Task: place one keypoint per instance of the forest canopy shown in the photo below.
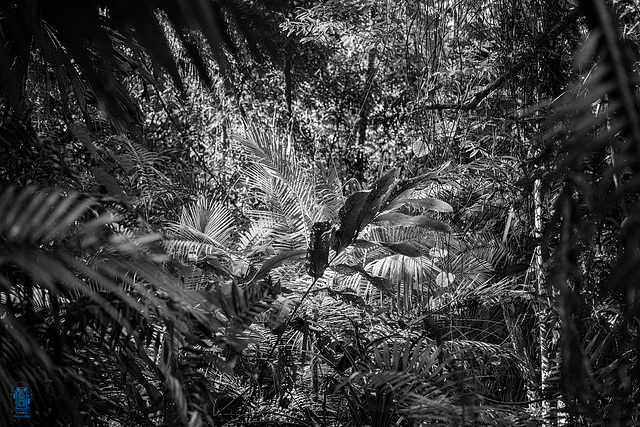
(319, 213)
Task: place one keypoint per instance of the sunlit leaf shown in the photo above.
(421, 148)
(445, 279)
(438, 252)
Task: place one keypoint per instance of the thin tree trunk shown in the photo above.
(546, 337)
(288, 85)
(365, 111)
(288, 78)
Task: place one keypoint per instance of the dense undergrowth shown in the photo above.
(344, 213)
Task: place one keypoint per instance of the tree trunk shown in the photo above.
(288, 78)
(363, 119)
(546, 336)
(288, 85)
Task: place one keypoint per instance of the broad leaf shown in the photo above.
(349, 220)
(360, 208)
(377, 198)
(277, 261)
(403, 248)
(107, 181)
(421, 148)
(81, 134)
(319, 249)
(413, 221)
(364, 244)
(384, 285)
(279, 313)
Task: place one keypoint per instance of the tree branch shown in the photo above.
(482, 94)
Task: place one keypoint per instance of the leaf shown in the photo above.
(177, 390)
(131, 368)
(276, 261)
(280, 311)
(349, 220)
(124, 162)
(364, 244)
(81, 134)
(377, 197)
(85, 51)
(349, 296)
(211, 264)
(205, 227)
(413, 221)
(406, 186)
(438, 252)
(421, 148)
(445, 279)
(241, 305)
(361, 207)
(428, 203)
(107, 181)
(384, 285)
(320, 243)
(403, 248)
(348, 269)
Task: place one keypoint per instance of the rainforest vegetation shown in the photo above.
(319, 213)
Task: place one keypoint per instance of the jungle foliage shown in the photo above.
(311, 213)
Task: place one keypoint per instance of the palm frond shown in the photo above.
(415, 379)
(276, 164)
(594, 139)
(82, 296)
(286, 197)
(205, 228)
(56, 250)
(408, 274)
(73, 37)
